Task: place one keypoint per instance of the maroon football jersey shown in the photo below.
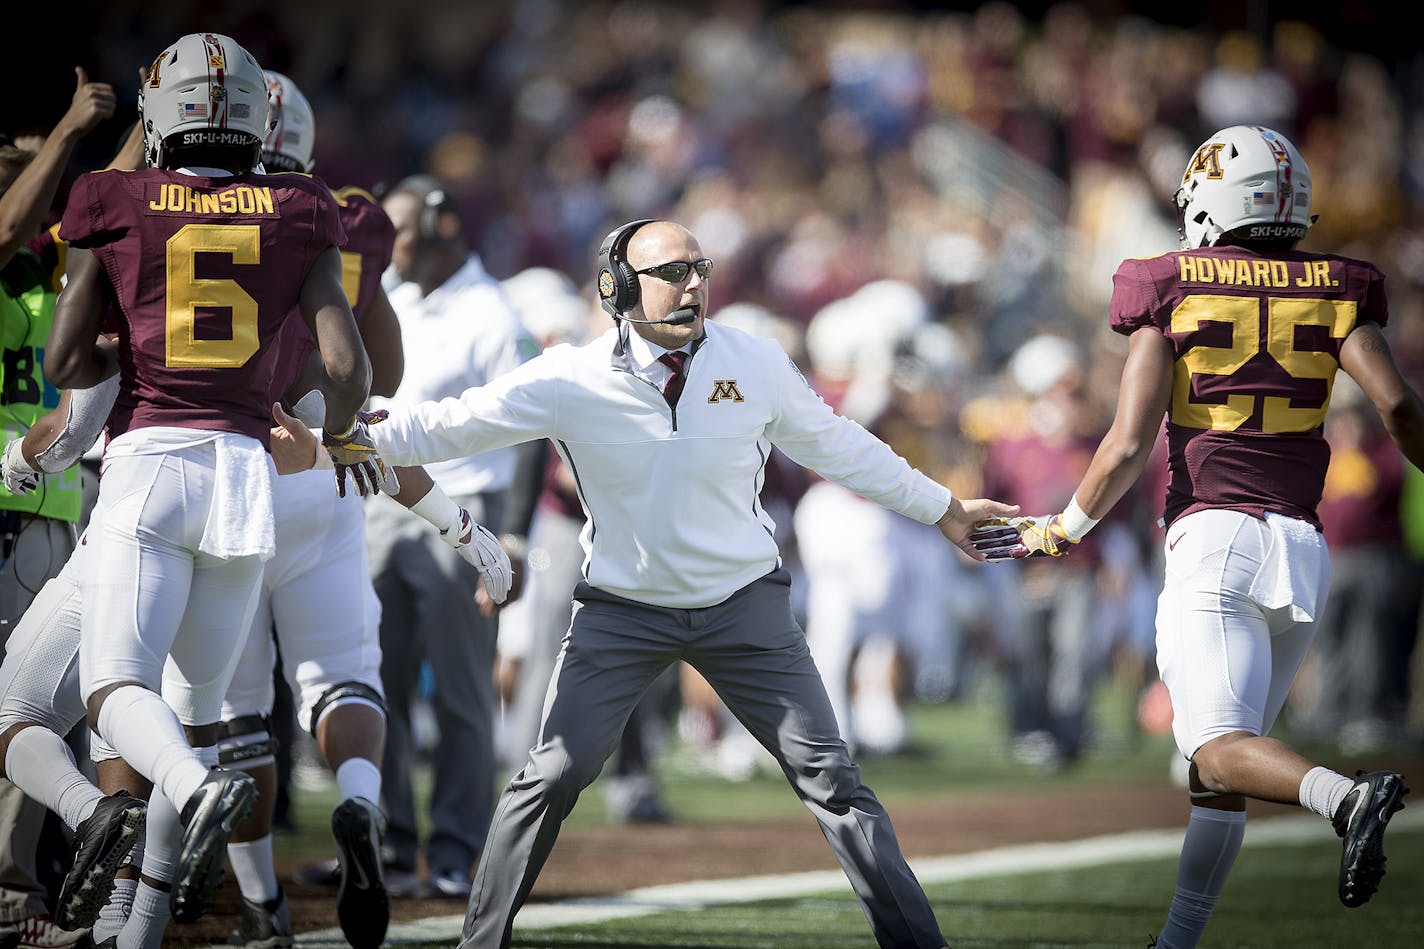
(370, 235)
(205, 272)
(1257, 341)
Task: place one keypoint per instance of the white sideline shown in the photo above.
(1001, 861)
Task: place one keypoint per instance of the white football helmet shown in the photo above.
(204, 89)
(293, 127)
(1247, 181)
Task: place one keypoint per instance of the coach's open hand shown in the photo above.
(962, 517)
(294, 446)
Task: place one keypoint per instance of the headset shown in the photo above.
(435, 200)
(617, 280)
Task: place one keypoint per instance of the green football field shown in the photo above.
(1279, 895)
(1111, 890)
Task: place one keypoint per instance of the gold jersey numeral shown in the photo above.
(187, 293)
(1283, 316)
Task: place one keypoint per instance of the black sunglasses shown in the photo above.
(676, 271)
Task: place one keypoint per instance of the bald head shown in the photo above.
(655, 244)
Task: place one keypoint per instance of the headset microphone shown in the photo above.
(676, 318)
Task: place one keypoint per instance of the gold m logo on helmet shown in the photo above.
(1207, 159)
(724, 389)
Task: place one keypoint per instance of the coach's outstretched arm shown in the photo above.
(295, 447)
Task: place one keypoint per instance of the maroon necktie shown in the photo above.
(673, 387)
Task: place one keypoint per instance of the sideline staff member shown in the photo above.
(667, 431)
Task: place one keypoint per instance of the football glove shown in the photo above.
(20, 478)
(481, 550)
(1041, 536)
(355, 452)
(997, 540)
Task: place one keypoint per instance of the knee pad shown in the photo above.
(246, 742)
(345, 693)
(99, 749)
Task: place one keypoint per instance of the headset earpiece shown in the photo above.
(617, 280)
(434, 203)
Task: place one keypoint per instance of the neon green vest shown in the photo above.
(27, 299)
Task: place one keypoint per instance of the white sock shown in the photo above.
(143, 729)
(359, 777)
(41, 764)
(161, 839)
(147, 920)
(255, 871)
(1209, 849)
(1322, 790)
(115, 912)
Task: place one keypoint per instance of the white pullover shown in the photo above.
(674, 517)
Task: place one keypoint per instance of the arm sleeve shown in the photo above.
(88, 411)
(811, 434)
(516, 407)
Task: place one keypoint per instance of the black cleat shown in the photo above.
(1360, 820)
(264, 925)
(222, 801)
(362, 904)
(101, 842)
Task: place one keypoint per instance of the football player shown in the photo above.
(1236, 340)
(195, 262)
(317, 594)
(308, 532)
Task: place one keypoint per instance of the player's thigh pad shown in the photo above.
(324, 608)
(136, 583)
(251, 690)
(39, 678)
(1213, 640)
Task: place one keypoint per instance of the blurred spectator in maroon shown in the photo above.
(1301, 56)
(1367, 630)
(1049, 640)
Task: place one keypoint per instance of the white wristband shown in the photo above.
(322, 461)
(1076, 524)
(437, 508)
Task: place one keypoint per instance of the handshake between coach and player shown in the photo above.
(1046, 535)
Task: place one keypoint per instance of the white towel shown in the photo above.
(240, 521)
(1290, 574)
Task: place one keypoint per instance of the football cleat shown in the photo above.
(362, 903)
(264, 925)
(222, 801)
(101, 842)
(1360, 821)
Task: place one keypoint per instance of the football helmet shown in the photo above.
(204, 89)
(292, 133)
(1247, 181)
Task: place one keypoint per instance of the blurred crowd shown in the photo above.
(918, 204)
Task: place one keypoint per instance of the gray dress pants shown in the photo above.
(752, 652)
